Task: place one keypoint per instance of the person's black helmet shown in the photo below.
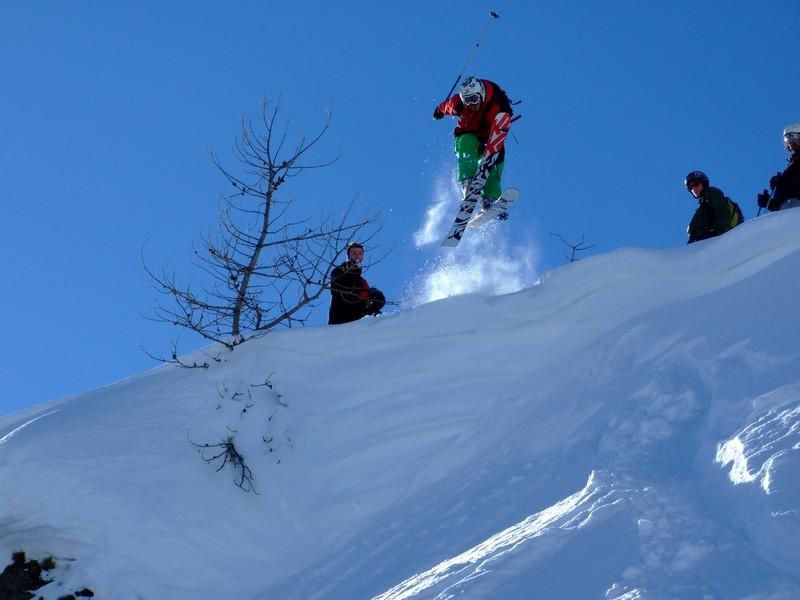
(696, 176)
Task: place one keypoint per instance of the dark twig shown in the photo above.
(574, 248)
(228, 454)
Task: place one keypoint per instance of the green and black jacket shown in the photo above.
(715, 214)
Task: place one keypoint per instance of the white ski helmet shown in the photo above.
(793, 128)
(791, 134)
(472, 91)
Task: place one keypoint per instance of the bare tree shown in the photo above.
(262, 267)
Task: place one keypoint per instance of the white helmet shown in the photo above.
(793, 128)
(472, 91)
(791, 134)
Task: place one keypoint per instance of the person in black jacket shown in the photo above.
(785, 185)
(351, 296)
(715, 214)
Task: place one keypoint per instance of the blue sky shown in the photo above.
(109, 112)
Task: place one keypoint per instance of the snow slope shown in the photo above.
(627, 428)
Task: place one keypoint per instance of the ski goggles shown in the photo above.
(471, 99)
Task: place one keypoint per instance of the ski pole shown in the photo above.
(771, 196)
(492, 15)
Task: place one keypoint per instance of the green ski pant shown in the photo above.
(468, 154)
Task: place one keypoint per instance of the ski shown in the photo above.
(471, 198)
(497, 210)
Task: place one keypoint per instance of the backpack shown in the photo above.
(502, 99)
(737, 217)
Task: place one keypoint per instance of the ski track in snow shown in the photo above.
(19, 428)
(552, 524)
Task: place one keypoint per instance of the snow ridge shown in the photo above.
(628, 428)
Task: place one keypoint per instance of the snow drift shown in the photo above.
(627, 428)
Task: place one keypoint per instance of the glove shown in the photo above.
(763, 199)
(376, 301)
(437, 114)
(774, 180)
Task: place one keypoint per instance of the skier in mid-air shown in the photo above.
(484, 117)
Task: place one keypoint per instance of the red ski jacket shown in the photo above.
(482, 122)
